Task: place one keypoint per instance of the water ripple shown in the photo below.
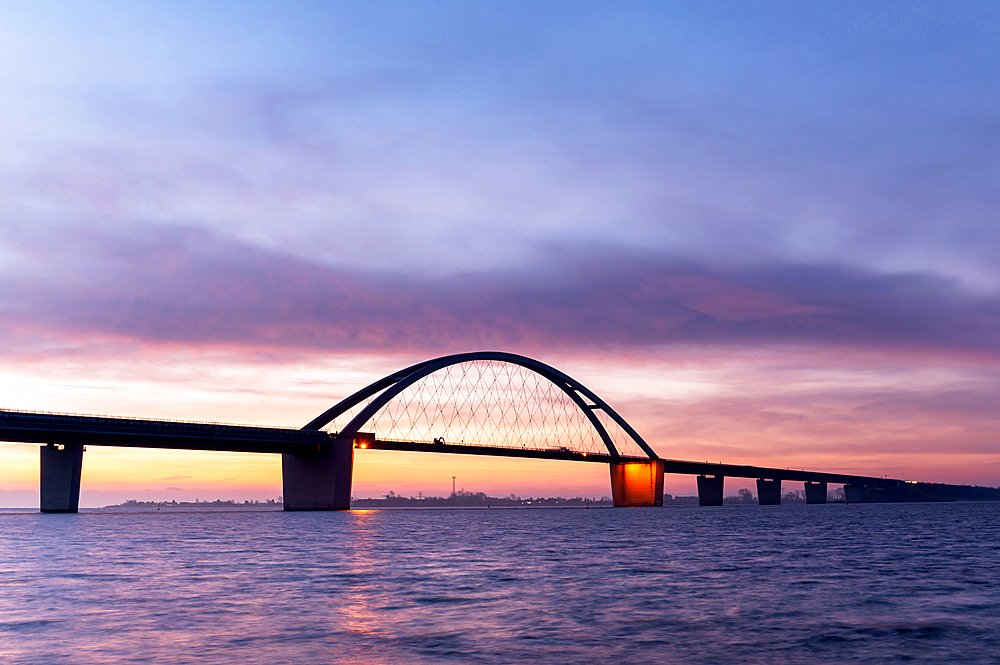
(797, 584)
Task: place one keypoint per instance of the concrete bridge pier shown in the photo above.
(816, 492)
(319, 479)
(854, 493)
(769, 492)
(710, 490)
(637, 483)
(60, 478)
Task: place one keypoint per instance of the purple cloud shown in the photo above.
(190, 287)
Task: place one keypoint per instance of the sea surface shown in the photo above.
(734, 584)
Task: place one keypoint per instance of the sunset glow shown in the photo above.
(764, 237)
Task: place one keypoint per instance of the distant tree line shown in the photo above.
(466, 499)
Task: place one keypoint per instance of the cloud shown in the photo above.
(189, 287)
(174, 478)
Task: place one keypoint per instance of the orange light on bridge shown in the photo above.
(362, 439)
(637, 483)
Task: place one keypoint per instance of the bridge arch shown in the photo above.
(382, 392)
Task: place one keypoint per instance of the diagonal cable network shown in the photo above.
(492, 403)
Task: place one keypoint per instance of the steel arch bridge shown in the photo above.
(484, 403)
(489, 403)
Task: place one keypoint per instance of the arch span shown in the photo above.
(380, 393)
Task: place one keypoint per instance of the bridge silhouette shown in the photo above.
(485, 403)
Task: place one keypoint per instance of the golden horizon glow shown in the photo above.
(825, 411)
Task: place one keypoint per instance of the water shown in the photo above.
(782, 584)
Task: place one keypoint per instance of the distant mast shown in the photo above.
(453, 485)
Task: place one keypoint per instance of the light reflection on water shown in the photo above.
(781, 584)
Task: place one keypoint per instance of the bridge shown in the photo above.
(485, 403)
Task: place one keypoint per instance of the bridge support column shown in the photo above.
(854, 493)
(816, 492)
(637, 483)
(768, 492)
(60, 478)
(710, 490)
(319, 480)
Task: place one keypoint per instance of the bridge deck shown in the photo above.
(58, 428)
(670, 466)
(35, 427)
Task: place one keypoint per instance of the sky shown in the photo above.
(764, 232)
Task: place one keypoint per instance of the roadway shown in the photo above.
(63, 429)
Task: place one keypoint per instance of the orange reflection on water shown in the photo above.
(357, 614)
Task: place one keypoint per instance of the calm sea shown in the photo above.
(774, 584)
